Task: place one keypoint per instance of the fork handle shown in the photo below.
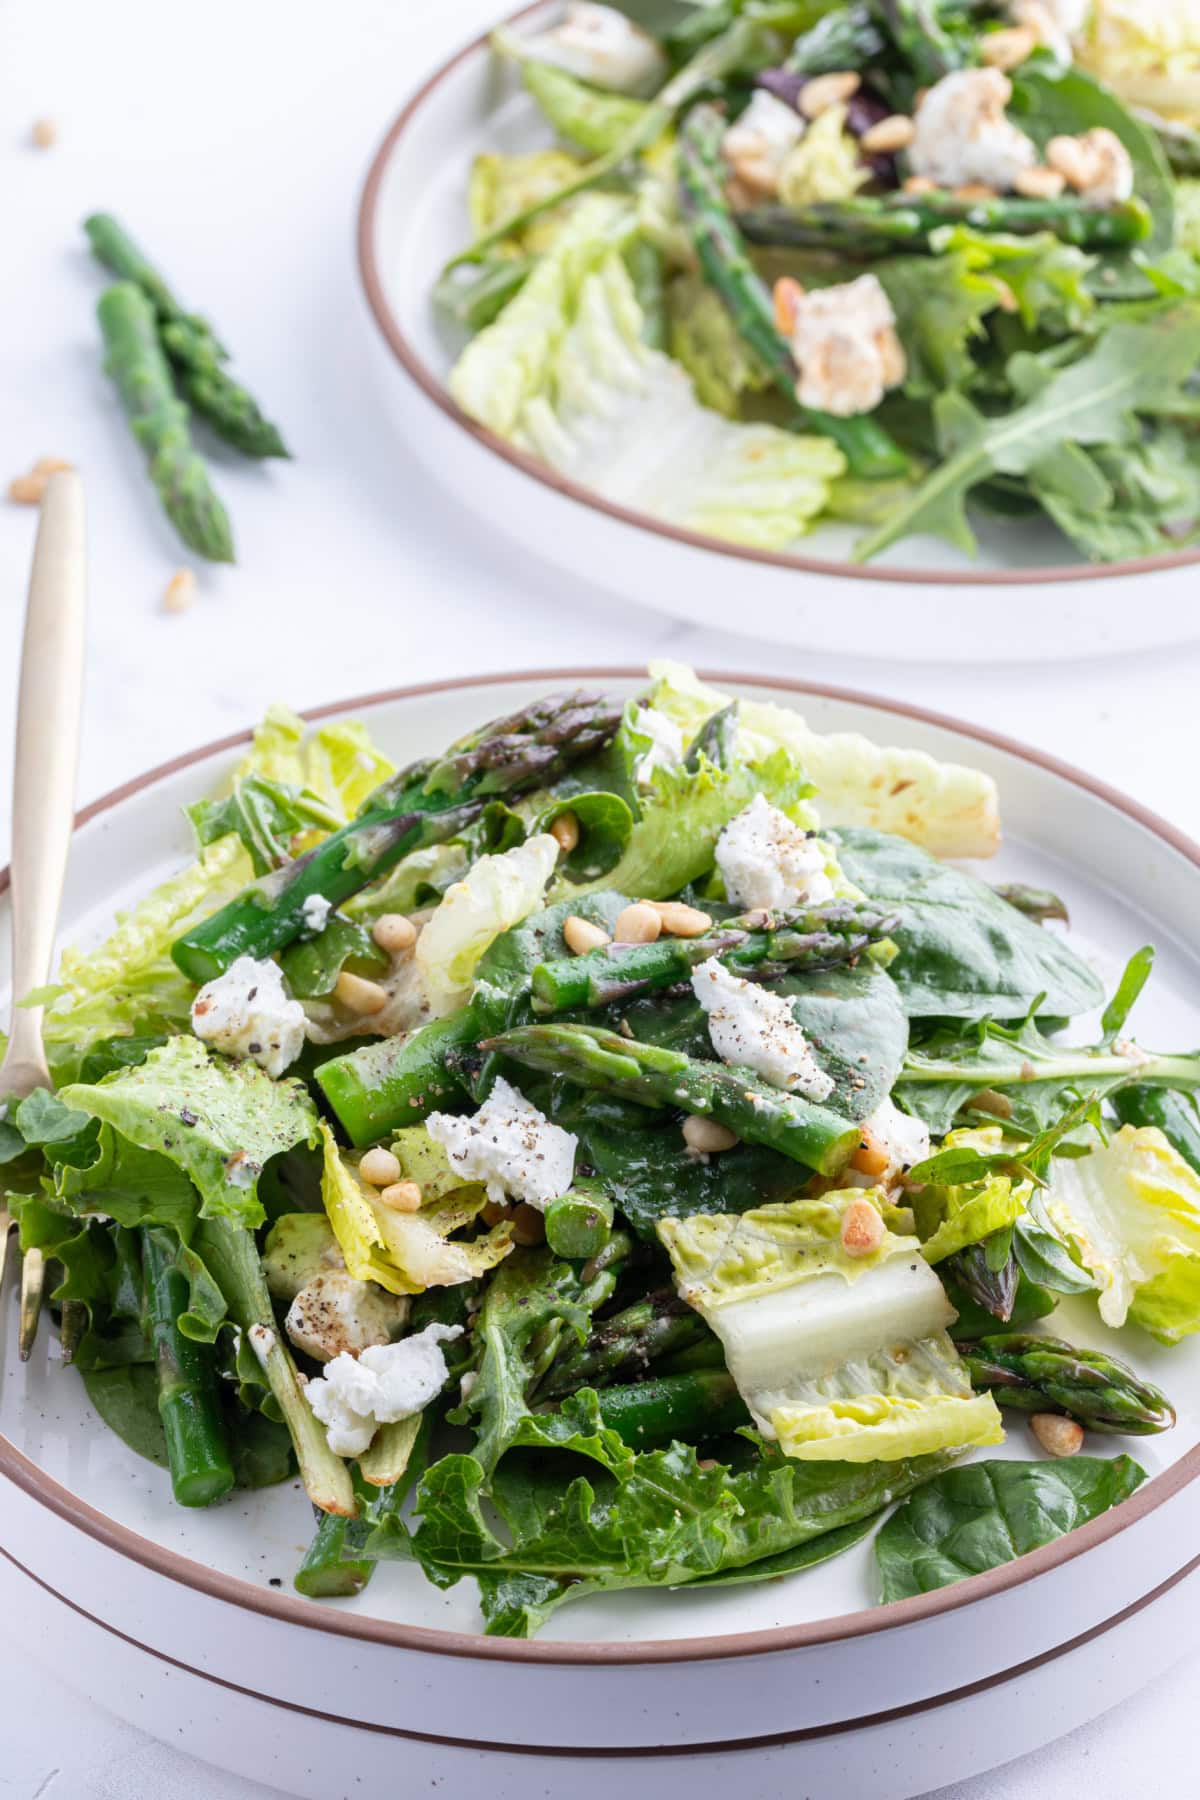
(47, 750)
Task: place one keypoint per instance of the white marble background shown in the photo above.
(233, 139)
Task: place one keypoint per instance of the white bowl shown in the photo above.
(1027, 596)
(804, 1678)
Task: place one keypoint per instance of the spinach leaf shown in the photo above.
(605, 823)
(265, 815)
(313, 966)
(987, 1513)
(127, 1400)
(964, 952)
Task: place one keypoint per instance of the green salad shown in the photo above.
(623, 1149)
(898, 263)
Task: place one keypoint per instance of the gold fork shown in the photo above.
(43, 801)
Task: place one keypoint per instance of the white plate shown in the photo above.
(1026, 596)
(657, 1674)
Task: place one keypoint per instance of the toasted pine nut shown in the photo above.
(44, 134)
(706, 1137)
(580, 935)
(394, 933)
(1068, 157)
(920, 184)
(862, 1229)
(682, 921)
(975, 190)
(180, 591)
(1006, 49)
(638, 924)
(871, 1157)
(566, 829)
(492, 1211)
(529, 1227)
(401, 1196)
(51, 465)
(27, 490)
(896, 132)
(380, 1167)
(1040, 184)
(824, 91)
(360, 996)
(786, 295)
(1056, 1435)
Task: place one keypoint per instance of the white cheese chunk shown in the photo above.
(757, 145)
(315, 912)
(767, 861)
(750, 1026)
(666, 744)
(1055, 22)
(601, 45)
(963, 135)
(355, 1395)
(846, 348)
(246, 1013)
(334, 1313)
(509, 1145)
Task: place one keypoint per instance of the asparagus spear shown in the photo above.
(654, 1076)
(191, 344)
(189, 1403)
(660, 1324)
(579, 1223)
(868, 449)
(340, 1560)
(705, 1404)
(995, 1290)
(915, 31)
(974, 1321)
(870, 226)
(423, 804)
(1038, 1374)
(1036, 903)
(816, 937)
(142, 376)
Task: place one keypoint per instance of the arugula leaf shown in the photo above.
(1137, 366)
(964, 951)
(988, 1513)
(1146, 497)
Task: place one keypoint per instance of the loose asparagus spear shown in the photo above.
(654, 1076)
(974, 1321)
(868, 449)
(339, 1561)
(384, 1086)
(1038, 1374)
(869, 226)
(817, 937)
(424, 804)
(191, 344)
(142, 376)
(659, 1325)
(693, 1407)
(995, 1290)
(189, 1403)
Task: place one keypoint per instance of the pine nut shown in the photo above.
(862, 1229)
(394, 933)
(529, 1227)
(681, 921)
(380, 1167)
(27, 490)
(975, 190)
(366, 997)
(638, 924)
(566, 830)
(920, 184)
(896, 132)
(1056, 1435)
(1040, 184)
(824, 91)
(51, 465)
(786, 296)
(580, 935)
(492, 1211)
(180, 591)
(871, 1157)
(1067, 156)
(44, 134)
(401, 1196)
(706, 1137)
(1006, 49)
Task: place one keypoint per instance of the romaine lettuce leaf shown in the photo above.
(837, 1357)
(496, 893)
(825, 164)
(1131, 1213)
(703, 340)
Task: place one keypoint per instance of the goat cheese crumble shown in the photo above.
(1055, 22)
(666, 744)
(246, 1013)
(845, 345)
(356, 1394)
(315, 912)
(509, 1145)
(750, 1026)
(963, 135)
(334, 1313)
(600, 44)
(757, 145)
(767, 861)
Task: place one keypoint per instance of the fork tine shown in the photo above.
(33, 1280)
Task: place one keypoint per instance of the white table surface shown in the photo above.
(233, 140)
